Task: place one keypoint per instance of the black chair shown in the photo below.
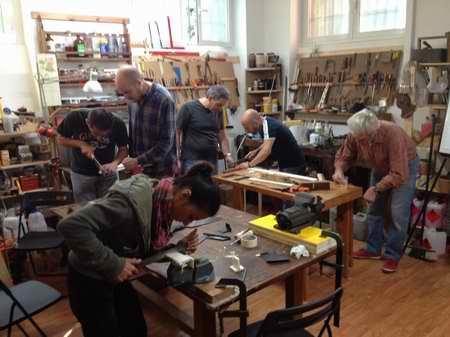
(22, 301)
(293, 321)
(40, 241)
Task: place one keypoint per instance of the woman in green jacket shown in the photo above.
(108, 237)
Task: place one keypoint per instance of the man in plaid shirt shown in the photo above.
(151, 125)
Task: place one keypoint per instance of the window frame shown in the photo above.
(7, 37)
(199, 41)
(391, 36)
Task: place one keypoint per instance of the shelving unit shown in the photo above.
(21, 165)
(71, 61)
(254, 98)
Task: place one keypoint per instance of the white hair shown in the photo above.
(364, 121)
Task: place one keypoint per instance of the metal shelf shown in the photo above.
(259, 92)
(33, 163)
(262, 69)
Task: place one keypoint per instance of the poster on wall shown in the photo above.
(48, 79)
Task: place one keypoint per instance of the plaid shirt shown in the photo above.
(162, 215)
(152, 132)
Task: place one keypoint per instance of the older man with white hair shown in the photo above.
(389, 151)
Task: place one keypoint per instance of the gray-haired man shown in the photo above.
(200, 129)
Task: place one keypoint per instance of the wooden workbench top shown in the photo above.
(337, 195)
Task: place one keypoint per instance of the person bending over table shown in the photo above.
(108, 237)
(200, 129)
(277, 142)
(95, 133)
(390, 152)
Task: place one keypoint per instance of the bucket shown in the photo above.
(360, 226)
(438, 240)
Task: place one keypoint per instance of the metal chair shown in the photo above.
(23, 301)
(293, 321)
(40, 241)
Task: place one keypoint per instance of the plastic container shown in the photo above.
(11, 227)
(36, 222)
(360, 226)
(438, 240)
(9, 119)
(415, 210)
(434, 216)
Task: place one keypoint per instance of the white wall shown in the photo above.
(432, 18)
(16, 81)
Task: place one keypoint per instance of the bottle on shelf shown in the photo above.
(115, 46)
(79, 46)
(104, 46)
(89, 44)
(96, 42)
(69, 42)
(124, 44)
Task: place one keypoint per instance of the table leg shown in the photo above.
(345, 228)
(295, 288)
(204, 321)
(238, 198)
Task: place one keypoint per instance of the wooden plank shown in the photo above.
(33, 163)
(183, 320)
(295, 288)
(344, 224)
(204, 321)
(5, 276)
(81, 18)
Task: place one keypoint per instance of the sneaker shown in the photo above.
(390, 266)
(366, 255)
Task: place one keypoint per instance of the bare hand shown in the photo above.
(129, 270)
(370, 195)
(87, 150)
(110, 168)
(191, 241)
(230, 160)
(130, 163)
(251, 154)
(339, 177)
(242, 166)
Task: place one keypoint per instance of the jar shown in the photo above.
(261, 60)
(251, 60)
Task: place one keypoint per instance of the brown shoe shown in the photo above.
(390, 266)
(364, 254)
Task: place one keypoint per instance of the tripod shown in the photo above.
(428, 189)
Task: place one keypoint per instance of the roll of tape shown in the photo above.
(249, 241)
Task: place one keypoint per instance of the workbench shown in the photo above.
(208, 300)
(338, 196)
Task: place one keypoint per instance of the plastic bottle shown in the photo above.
(36, 222)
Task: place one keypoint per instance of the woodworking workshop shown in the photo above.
(240, 168)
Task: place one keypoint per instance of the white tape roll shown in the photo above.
(249, 241)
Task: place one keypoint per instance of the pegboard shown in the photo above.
(349, 78)
(189, 78)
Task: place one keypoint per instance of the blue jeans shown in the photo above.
(186, 164)
(87, 188)
(400, 208)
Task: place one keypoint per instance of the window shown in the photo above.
(207, 22)
(6, 17)
(328, 18)
(382, 15)
(349, 20)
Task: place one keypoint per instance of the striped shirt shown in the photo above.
(152, 132)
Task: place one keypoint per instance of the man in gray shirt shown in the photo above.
(200, 129)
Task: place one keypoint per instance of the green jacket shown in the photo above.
(104, 232)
